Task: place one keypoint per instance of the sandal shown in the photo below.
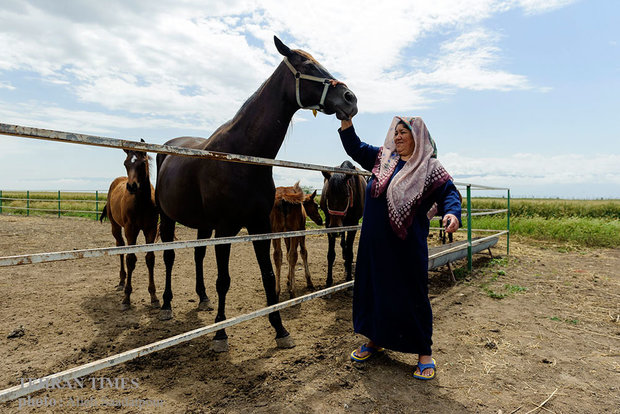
(422, 367)
(371, 352)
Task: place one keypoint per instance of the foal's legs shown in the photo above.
(149, 236)
(166, 232)
(291, 248)
(132, 235)
(117, 232)
(331, 256)
(347, 253)
(304, 256)
(199, 255)
(277, 260)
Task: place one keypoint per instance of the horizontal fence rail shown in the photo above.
(99, 141)
(94, 140)
(86, 369)
(112, 251)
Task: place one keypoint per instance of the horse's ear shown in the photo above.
(313, 195)
(282, 48)
(326, 175)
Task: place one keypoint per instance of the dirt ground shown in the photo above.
(555, 333)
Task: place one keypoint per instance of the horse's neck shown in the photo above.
(260, 126)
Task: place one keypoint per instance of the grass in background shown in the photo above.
(75, 204)
(593, 223)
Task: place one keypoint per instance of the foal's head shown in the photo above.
(137, 166)
(337, 195)
(312, 209)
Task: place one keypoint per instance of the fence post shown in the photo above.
(27, 202)
(96, 204)
(469, 255)
(0, 201)
(58, 203)
(508, 227)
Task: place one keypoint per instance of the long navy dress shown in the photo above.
(390, 296)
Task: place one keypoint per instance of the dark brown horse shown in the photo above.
(131, 206)
(342, 201)
(290, 209)
(210, 195)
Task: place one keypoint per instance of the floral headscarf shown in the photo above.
(420, 175)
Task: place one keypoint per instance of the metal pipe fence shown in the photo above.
(26, 132)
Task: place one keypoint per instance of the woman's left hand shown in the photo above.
(454, 223)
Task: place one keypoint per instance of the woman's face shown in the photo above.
(404, 141)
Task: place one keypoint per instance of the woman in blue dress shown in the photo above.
(390, 296)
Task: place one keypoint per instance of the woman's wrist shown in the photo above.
(345, 123)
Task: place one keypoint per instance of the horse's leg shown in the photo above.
(222, 284)
(132, 235)
(277, 260)
(292, 262)
(348, 254)
(117, 232)
(304, 256)
(166, 232)
(331, 256)
(199, 255)
(150, 236)
(261, 249)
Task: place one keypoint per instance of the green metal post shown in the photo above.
(58, 203)
(508, 227)
(96, 205)
(0, 201)
(27, 202)
(469, 256)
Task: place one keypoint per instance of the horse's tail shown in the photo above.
(104, 213)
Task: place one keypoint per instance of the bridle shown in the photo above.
(298, 76)
(349, 203)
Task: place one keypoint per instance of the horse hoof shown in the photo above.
(125, 306)
(120, 287)
(205, 305)
(219, 345)
(165, 315)
(285, 342)
(155, 304)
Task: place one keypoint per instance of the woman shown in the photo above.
(390, 301)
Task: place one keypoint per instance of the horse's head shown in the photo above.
(137, 166)
(337, 196)
(313, 87)
(312, 209)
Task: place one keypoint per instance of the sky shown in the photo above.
(518, 93)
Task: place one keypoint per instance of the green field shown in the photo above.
(75, 204)
(594, 223)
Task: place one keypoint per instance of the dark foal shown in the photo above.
(131, 206)
(223, 197)
(342, 201)
(290, 209)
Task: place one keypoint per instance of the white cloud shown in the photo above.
(529, 169)
(201, 60)
(542, 6)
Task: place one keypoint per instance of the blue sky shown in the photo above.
(521, 94)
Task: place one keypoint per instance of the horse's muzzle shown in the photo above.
(132, 188)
